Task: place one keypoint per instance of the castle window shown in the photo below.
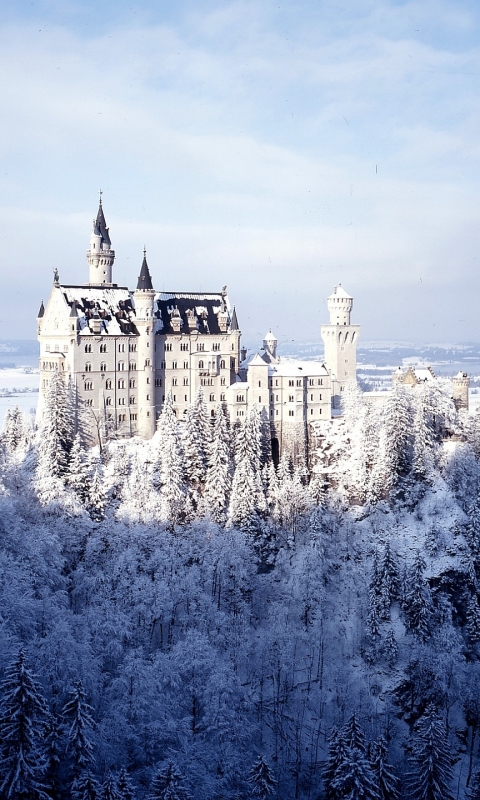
(103, 348)
(133, 417)
(147, 362)
(276, 383)
(200, 347)
(89, 403)
(132, 365)
(216, 346)
(122, 417)
(108, 384)
(271, 412)
(185, 365)
(132, 401)
(320, 396)
(222, 381)
(184, 346)
(212, 398)
(47, 348)
(121, 401)
(240, 413)
(162, 364)
(291, 413)
(222, 364)
(299, 383)
(271, 398)
(57, 348)
(276, 412)
(108, 401)
(148, 329)
(259, 384)
(342, 348)
(320, 381)
(185, 381)
(233, 346)
(200, 365)
(232, 363)
(276, 398)
(121, 348)
(291, 383)
(132, 347)
(311, 382)
(174, 365)
(259, 399)
(121, 366)
(222, 398)
(320, 410)
(168, 347)
(65, 348)
(103, 367)
(311, 397)
(121, 384)
(132, 383)
(88, 367)
(240, 398)
(88, 386)
(174, 381)
(290, 398)
(311, 411)
(88, 348)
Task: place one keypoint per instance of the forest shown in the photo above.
(183, 618)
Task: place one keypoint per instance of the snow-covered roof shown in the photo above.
(111, 304)
(423, 374)
(196, 310)
(257, 361)
(269, 337)
(339, 291)
(296, 368)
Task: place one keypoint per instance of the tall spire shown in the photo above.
(234, 322)
(100, 256)
(144, 279)
(100, 227)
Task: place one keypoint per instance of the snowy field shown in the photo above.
(18, 387)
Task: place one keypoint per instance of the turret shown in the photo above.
(144, 297)
(100, 256)
(340, 340)
(270, 346)
(460, 383)
(340, 305)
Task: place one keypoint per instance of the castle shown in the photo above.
(125, 351)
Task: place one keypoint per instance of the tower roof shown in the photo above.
(144, 279)
(100, 226)
(339, 291)
(270, 337)
(234, 322)
(41, 311)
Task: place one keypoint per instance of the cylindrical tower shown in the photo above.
(460, 383)
(340, 305)
(270, 346)
(340, 341)
(144, 297)
(100, 256)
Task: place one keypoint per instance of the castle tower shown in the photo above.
(340, 341)
(144, 297)
(100, 256)
(461, 382)
(270, 346)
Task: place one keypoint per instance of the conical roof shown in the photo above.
(339, 291)
(144, 279)
(234, 321)
(41, 311)
(100, 227)
(270, 337)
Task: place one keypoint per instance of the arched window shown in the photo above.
(212, 398)
(108, 401)
(103, 367)
(222, 364)
(222, 398)
(103, 348)
(108, 384)
(88, 367)
(200, 365)
(121, 366)
(88, 348)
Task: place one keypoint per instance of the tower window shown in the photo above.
(88, 348)
(108, 384)
(88, 367)
(103, 367)
(103, 348)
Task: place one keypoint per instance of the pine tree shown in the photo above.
(57, 429)
(242, 511)
(397, 430)
(194, 452)
(353, 735)
(168, 784)
(109, 789)
(431, 776)
(265, 438)
(85, 788)
(390, 648)
(473, 619)
(262, 780)
(78, 712)
(97, 496)
(385, 779)
(78, 473)
(125, 787)
(417, 601)
(24, 722)
(13, 429)
(219, 473)
(354, 779)
(173, 491)
(387, 582)
(338, 753)
(423, 442)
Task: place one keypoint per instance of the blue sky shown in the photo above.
(279, 148)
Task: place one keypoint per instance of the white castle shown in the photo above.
(125, 351)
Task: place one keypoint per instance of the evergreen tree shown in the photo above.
(431, 776)
(354, 779)
(78, 713)
(353, 735)
(219, 473)
(85, 787)
(417, 602)
(24, 720)
(265, 438)
(194, 452)
(173, 491)
(109, 789)
(168, 784)
(338, 754)
(242, 511)
(262, 780)
(397, 430)
(97, 496)
(78, 472)
(385, 779)
(125, 786)
(13, 429)
(56, 429)
(473, 791)
(387, 582)
(473, 619)
(390, 648)
(423, 442)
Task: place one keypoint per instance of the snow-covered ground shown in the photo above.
(18, 387)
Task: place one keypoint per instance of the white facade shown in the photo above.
(125, 351)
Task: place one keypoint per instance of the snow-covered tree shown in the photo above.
(24, 720)
(109, 788)
(86, 787)
(194, 450)
(355, 779)
(173, 490)
(386, 781)
(125, 787)
(97, 495)
(80, 725)
(242, 512)
(168, 784)
(14, 429)
(219, 472)
(423, 434)
(473, 620)
(397, 430)
(390, 648)
(261, 779)
(56, 431)
(78, 472)
(417, 601)
(431, 774)
(473, 791)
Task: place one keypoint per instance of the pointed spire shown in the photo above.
(234, 321)
(144, 279)
(41, 311)
(100, 225)
(73, 310)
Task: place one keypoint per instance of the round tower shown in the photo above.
(340, 305)
(340, 340)
(270, 343)
(144, 297)
(460, 383)
(100, 256)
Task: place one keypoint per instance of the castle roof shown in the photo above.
(41, 310)
(100, 226)
(144, 279)
(339, 291)
(234, 326)
(257, 361)
(269, 337)
(112, 304)
(295, 368)
(198, 311)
